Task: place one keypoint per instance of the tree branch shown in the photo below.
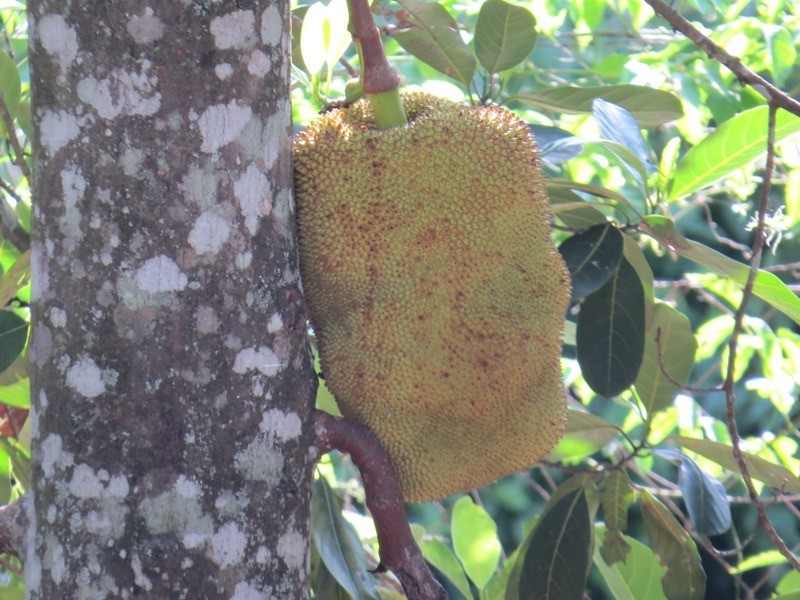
(398, 549)
(13, 524)
(728, 385)
(744, 74)
(19, 155)
(376, 74)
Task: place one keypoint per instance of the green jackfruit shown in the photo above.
(436, 293)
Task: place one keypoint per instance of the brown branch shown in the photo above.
(376, 74)
(728, 385)
(13, 524)
(744, 74)
(11, 130)
(398, 549)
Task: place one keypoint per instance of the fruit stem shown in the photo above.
(379, 81)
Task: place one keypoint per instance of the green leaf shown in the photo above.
(17, 394)
(9, 83)
(595, 190)
(734, 144)
(767, 286)
(313, 41)
(434, 38)
(592, 257)
(616, 496)
(685, 578)
(13, 335)
(585, 434)
(440, 556)
(638, 578)
(770, 473)
(610, 336)
(475, 542)
(648, 106)
(338, 545)
(678, 346)
(789, 584)
(781, 52)
(768, 558)
(669, 160)
(618, 125)
(634, 255)
(504, 35)
(20, 461)
(557, 557)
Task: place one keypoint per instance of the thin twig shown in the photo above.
(743, 73)
(669, 378)
(728, 385)
(11, 130)
(12, 229)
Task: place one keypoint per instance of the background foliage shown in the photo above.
(654, 156)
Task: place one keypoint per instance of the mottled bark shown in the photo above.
(172, 387)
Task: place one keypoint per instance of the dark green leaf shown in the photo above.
(770, 473)
(434, 39)
(634, 255)
(733, 145)
(616, 495)
(638, 578)
(592, 257)
(618, 125)
(338, 545)
(685, 578)
(610, 336)
(678, 347)
(650, 107)
(475, 540)
(504, 35)
(13, 335)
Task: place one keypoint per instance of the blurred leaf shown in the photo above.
(504, 35)
(781, 53)
(610, 336)
(585, 434)
(595, 190)
(666, 168)
(17, 394)
(20, 461)
(767, 286)
(705, 496)
(638, 578)
(9, 83)
(678, 346)
(592, 257)
(685, 578)
(313, 38)
(618, 125)
(770, 473)
(629, 159)
(15, 278)
(760, 560)
(338, 545)
(616, 496)
(434, 38)
(475, 542)
(733, 145)
(648, 106)
(440, 556)
(789, 584)
(556, 560)
(13, 335)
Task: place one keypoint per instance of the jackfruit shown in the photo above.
(435, 291)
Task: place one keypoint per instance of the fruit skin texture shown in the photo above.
(436, 293)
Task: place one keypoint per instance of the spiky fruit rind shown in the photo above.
(436, 293)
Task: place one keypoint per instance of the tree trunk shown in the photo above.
(172, 386)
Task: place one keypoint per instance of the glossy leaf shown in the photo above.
(678, 347)
(770, 473)
(338, 544)
(504, 35)
(434, 38)
(13, 335)
(638, 578)
(618, 125)
(616, 496)
(592, 257)
(610, 336)
(557, 558)
(685, 578)
(733, 145)
(648, 106)
(475, 542)
(440, 556)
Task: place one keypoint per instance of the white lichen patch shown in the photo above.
(57, 130)
(58, 39)
(275, 323)
(223, 71)
(243, 260)
(209, 234)
(258, 64)
(73, 185)
(200, 187)
(179, 511)
(123, 93)
(53, 457)
(234, 30)
(227, 545)
(260, 359)
(246, 591)
(284, 426)
(160, 274)
(139, 578)
(263, 555)
(207, 321)
(53, 560)
(254, 193)
(131, 162)
(292, 549)
(276, 137)
(106, 495)
(145, 28)
(221, 124)
(86, 378)
(260, 461)
(41, 345)
(58, 317)
(271, 26)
